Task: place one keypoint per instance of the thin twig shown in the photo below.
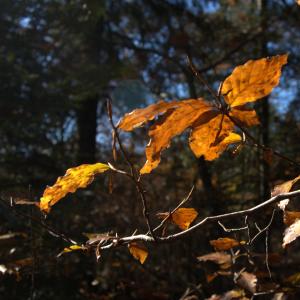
(134, 172)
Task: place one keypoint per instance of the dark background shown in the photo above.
(59, 61)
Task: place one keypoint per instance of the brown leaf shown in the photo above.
(75, 178)
(223, 244)
(138, 251)
(248, 281)
(282, 188)
(140, 116)
(173, 123)
(253, 80)
(291, 233)
(220, 258)
(290, 217)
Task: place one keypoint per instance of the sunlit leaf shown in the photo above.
(244, 116)
(75, 178)
(211, 137)
(72, 248)
(282, 188)
(173, 123)
(223, 244)
(291, 233)
(138, 251)
(182, 217)
(253, 80)
(142, 115)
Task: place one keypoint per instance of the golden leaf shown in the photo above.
(253, 80)
(212, 137)
(183, 217)
(75, 178)
(138, 251)
(244, 116)
(142, 115)
(223, 244)
(173, 123)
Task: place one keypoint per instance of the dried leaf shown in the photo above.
(221, 258)
(223, 244)
(291, 233)
(140, 116)
(282, 188)
(138, 251)
(173, 123)
(290, 217)
(75, 178)
(248, 281)
(253, 80)
(294, 279)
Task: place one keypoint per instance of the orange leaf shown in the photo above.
(244, 116)
(173, 123)
(223, 244)
(253, 80)
(183, 217)
(75, 178)
(211, 138)
(290, 217)
(142, 115)
(138, 251)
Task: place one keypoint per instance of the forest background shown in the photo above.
(59, 62)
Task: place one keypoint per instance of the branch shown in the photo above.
(179, 235)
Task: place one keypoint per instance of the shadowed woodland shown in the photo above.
(70, 71)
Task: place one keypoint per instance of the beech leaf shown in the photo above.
(221, 258)
(138, 251)
(222, 244)
(290, 217)
(173, 123)
(182, 217)
(253, 80)
(291, 233)
(282, 188)
(75, 178)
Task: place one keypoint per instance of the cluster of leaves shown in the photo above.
(213, 127)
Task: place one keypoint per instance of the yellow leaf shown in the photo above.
(72, 248)
(291, 233)
(253, 80)
(173, 123)
(138, 251)
(223, 244)
(75, 178)
(142, 115)
(212, 137)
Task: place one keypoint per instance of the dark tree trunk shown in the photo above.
(87, 130)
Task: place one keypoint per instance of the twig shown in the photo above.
(134, 176)
(178, 206)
